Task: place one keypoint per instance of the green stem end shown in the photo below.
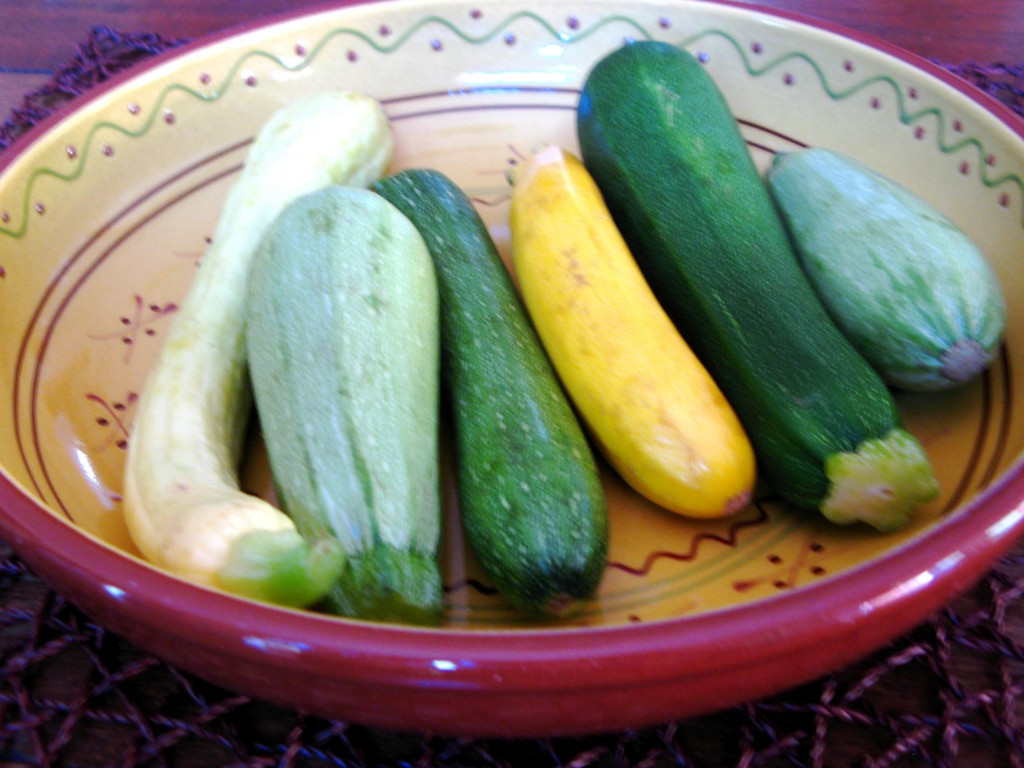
(281, 567)
(881, 483)
(385, 584)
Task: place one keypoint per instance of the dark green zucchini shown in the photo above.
(658, 137)
(530, 496)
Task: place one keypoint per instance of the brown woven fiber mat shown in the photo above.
(73, 695)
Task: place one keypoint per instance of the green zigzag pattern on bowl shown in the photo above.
(906, 116)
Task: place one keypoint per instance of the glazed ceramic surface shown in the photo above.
(106, 212)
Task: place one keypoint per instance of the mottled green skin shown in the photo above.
(343, 337)
(904, 283)
(388, 584)
(530, 495)
(661, 143)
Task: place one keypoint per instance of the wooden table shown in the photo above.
(36, 37)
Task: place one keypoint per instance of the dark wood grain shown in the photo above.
(37, 36)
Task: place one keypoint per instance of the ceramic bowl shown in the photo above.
(106, 210)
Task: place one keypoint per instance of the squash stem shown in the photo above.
(281, 567)
(880, 483)
(388, 584)
(964, 360)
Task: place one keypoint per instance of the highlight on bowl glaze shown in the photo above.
(105, 215)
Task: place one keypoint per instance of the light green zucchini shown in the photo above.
(912, 292)
(343, 339)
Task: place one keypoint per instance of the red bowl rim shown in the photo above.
(894, 591)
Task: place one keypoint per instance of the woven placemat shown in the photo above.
(72, 695)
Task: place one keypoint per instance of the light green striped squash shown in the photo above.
(910, 290)
(343, 341)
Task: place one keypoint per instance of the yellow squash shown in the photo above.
(649, 404)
